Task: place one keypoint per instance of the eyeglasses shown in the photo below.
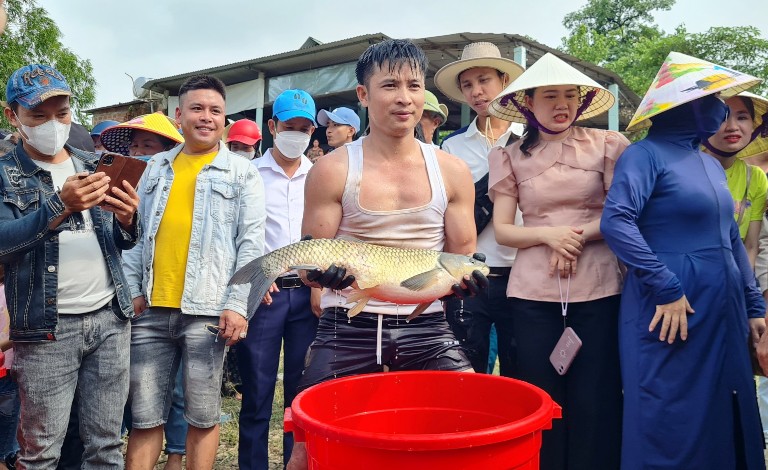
(213, 329)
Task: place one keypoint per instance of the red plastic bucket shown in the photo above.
(422, 420)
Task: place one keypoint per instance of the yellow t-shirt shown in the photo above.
(758, 186)
(175, 231)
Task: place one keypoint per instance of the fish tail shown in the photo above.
(259, 276)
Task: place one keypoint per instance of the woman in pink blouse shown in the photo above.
(564, 275)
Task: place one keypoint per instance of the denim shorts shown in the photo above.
(347, 346)
(160, 338)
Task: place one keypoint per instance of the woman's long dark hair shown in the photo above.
(531, 135)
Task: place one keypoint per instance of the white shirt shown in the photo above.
(472, 147)
(285, 200)
(84, 280)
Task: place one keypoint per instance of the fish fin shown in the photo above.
(422, 281)
(349, 238)
(361, 297)
(260, 281)
(306, 267)
(418, 310)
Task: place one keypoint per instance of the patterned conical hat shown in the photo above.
(118, 138)
(682, 79)
(760, 144)
(549, 70)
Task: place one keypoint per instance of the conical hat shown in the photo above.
(549, 70)
(682, 79)
(760, 144)
(118, 138)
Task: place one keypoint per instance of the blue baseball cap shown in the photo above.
(294, 103)
(34, 83)
(344, 116)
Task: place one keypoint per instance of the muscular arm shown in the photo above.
(322, 195)
(460, 236)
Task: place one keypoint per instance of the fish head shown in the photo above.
(459, 266)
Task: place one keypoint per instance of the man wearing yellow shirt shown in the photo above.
(204, 213)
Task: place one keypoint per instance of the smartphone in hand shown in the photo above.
(120, 168)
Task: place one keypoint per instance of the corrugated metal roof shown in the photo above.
(439, 49)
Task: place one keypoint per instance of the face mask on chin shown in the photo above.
(292, 143)
(246, 154)
(48, 138)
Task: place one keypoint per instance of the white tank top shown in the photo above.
(418, 227)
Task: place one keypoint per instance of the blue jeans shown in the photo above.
(290, 323)
(9, 417)
(176, 427)
(90, 358)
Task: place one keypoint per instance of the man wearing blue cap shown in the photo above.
(61, 234)
(288, 320)
(343, 124)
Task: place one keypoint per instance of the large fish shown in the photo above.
(397, 275)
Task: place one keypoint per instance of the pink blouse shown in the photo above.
(563, 182)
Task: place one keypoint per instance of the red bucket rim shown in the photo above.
(536, 421)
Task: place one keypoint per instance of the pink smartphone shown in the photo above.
(565, 351)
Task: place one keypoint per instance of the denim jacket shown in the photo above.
(227, 231)
(29, 249)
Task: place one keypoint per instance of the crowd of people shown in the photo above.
(653, 254)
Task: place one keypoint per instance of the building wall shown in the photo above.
(121, 112)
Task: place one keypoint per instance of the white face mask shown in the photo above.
(47, 138)
(248, 155)
(292, 143)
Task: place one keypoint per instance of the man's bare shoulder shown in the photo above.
(330, 169)
(451, 163)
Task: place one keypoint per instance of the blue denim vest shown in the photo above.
(29, 249)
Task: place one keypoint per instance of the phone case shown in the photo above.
(120, 168)
(565, 351)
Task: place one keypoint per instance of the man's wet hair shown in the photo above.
(202, 82)
(393, 52)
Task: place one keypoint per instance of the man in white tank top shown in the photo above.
(390, 189)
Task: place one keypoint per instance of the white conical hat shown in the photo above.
(682, 79)
(760, 144)
(549, 70)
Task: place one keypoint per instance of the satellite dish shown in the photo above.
(139, 92)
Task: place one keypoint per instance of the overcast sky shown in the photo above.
(160, 38)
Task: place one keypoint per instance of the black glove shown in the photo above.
(476, 283)
(332, 278)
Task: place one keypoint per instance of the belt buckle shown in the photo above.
(291, 282)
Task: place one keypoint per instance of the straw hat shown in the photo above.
(549, 70)
(476, 54)
(760, 144)
(431, 104)
(118, 138)
(682, 79)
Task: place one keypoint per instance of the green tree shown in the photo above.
(620, 35)
(33, 37)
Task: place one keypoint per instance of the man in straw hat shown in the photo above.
(410, 195)
(558, 175)
(142, 137)
(476, 79)
(69, 302)
(689, 301)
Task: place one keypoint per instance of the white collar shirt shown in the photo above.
(472, 147)
(284, 200)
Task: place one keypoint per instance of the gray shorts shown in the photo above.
(160, 338)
